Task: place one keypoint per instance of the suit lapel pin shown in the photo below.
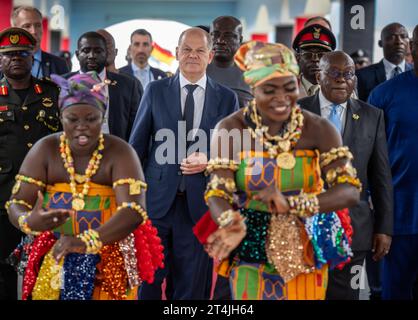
(47, 102)
(356, 116)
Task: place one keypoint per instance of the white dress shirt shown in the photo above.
(389, 67)
(198, 96)
(144, 75)
(326, 107)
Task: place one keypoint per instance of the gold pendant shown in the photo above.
(135, 188)
(78, 204)
(286, 160)
(79, 178)
(284, 145)
(16, 187)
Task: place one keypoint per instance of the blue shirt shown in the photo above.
(144, 75)
(398, 98)
(37, 67)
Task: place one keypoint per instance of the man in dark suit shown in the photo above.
(140, 50)
(363, 131)
(45, 64)
(394, 42)
(174, 166)
(123, 93)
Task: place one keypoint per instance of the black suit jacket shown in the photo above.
(124, 98)
(366, 138)
(53, 65)
(371, 76)
(157, 73)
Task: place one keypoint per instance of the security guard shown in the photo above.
(28, 112)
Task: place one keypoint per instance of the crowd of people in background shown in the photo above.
(325, 186)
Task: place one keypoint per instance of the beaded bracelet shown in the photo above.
(229, 183)
(16, 201)
(134, 185)
(350, 180)
(136, 207)
(92, 241)
(21, 178)
(303, 205)
(225, 218)
(23, 224)
(334, 154)
(219, 194)
(220, 163)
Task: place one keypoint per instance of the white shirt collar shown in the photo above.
(135, 68)
(102, 74)
(325, 103)
(201, 82)
(389, 66)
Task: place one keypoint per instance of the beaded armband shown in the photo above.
(134, 185)
(16, 201)
(23, 224)
(218, 193)
(92, 241)
(136, 207)
(303, 205)
(334, 154)
(229, 184)
(20, 178)
(220, 163)
(225, 218)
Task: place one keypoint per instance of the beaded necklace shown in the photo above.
(280, 145)
(78, 202)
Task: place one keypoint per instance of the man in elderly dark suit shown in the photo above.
(174, 166)
(123, 93)
(363, 131)
(394, 42)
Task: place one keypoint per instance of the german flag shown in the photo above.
(162, 55)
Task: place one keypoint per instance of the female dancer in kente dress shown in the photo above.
(275, 228)
(80, 198)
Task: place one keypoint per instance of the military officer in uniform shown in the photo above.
(28, 112)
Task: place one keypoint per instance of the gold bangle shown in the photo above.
(134, 185)
(23, 224)
(136, 207)
(229, 183)
(350, 180)
(333, 173)
(16, 201)
(21, 178)
(219, 194)
(225, 218)
(334, 154)
(92, 241)
(220, 163)
(303, 205)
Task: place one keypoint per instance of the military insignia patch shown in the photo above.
(317, 33)
(38, 89)
(4, 91)
(14, 38)
(47, 102)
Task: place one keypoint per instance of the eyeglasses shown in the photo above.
(312, 55)
(335, 74)
(21, 53)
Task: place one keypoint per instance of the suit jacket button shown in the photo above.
(24, 108)
(26, 127)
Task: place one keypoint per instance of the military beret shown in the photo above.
(313, 36)
(16, 39)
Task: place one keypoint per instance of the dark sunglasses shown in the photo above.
(335, 74)
(22, 53)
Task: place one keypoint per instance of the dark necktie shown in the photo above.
(397, 71)
(188, 115)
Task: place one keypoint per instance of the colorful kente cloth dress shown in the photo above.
(113, 273)
(283, 256)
